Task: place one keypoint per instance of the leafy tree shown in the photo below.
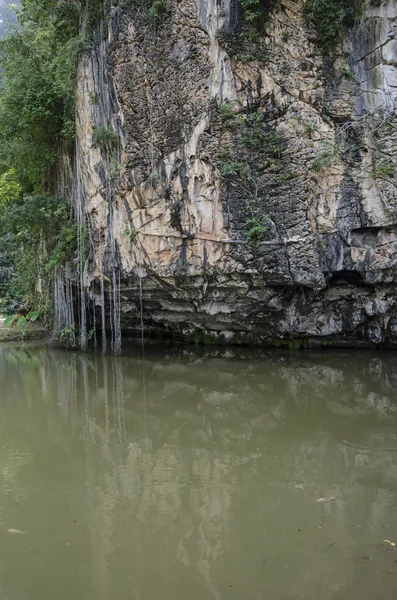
(37, 96)
(38, 70)
(10, 188)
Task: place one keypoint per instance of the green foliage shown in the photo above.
(257, 229)
(68, 337)
(37, 235)
(65, 249)
(244, 57)
(159, 12)
(38, 70)
(229, 167)
(104, 137)
(252, 10)
(202, 338)
(38, 63)
(226, 112)
(285, 176)
(243, 44)
(324, 158)
(10, 188)
(310, 127)
(251, 149)
(346, 73)
(114, 170)
(253, 18)
(385, 168)
(330, 17)
(22, 321)
(38, 66)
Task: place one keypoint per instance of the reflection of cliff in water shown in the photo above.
(188, 445)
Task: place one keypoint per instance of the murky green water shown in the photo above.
(196, 476)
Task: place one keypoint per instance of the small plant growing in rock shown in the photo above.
(229, 167)
(257, 229)
(114, 170)
(159, 12)
(324, 158)
(104, 137)
(310, 127)
(286, 176)
(385, 168)
(244, 57)
(68, 336)
(226, 112)
(346, 73)
(133, 237)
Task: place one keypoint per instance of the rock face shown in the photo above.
(253, 195)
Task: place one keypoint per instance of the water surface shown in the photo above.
(195, 475)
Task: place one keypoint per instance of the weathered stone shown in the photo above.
(326, 264)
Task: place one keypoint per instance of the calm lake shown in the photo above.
(196, 475)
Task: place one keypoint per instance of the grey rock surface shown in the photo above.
(324, 268)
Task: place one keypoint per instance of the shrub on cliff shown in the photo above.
(104, 136)
(330, 17)
(159, 11)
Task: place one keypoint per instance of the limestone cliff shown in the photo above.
(252, 196)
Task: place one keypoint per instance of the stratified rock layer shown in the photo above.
(324, 265)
